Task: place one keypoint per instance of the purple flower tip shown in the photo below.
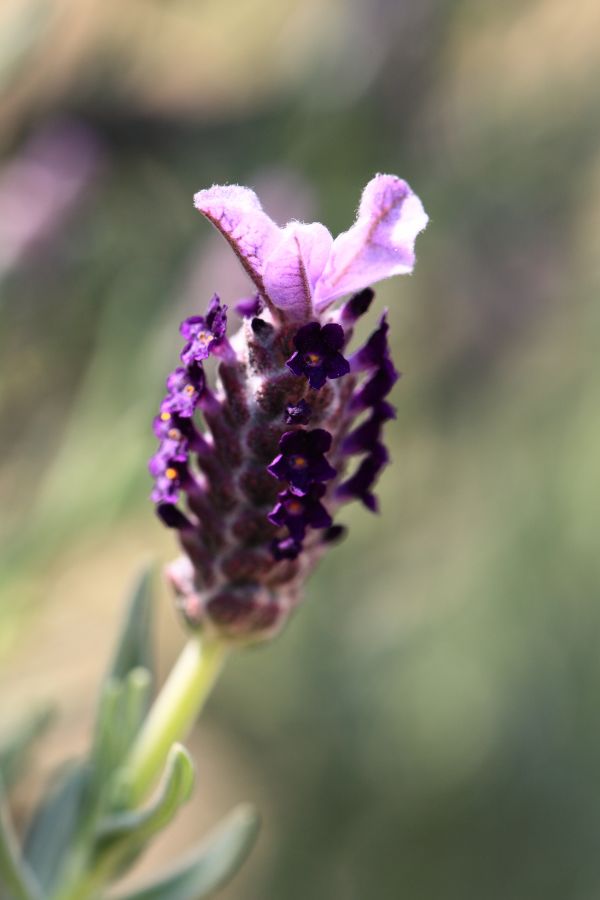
(365, 438)
(357, 306)
(377, 387)
(358, 486)
(286, 548)
(299, 414)
(318, 354)
(375, 351)
(172, 517)
(204, 333)
(334, 534)
(301, 460)
(249, 307)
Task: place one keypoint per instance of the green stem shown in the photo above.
(172, 716)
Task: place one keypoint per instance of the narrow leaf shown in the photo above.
(15, 874)
(136, 698)
(214, 862)
(121, 710)
(55, 824)
(123, 836)
(13, 751)
(134, 649)
(137, 826)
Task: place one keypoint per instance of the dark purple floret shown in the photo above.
(249, 307)
(358, 486)
(364, 438)
(375, 351)
(318, 354)
(357, 306)
(299, 512)
(204, 334)
(299, 414)
(301, 460)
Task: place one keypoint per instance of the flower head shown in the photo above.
(252, 491)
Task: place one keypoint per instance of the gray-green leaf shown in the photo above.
(15, 748)
(123, 836)
(55, 824)
(215, 861)
(134, 649)
(15, 875)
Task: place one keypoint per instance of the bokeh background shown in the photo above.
(429, 724)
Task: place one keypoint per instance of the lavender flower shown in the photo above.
(301, 459)
(204, 334)
(260, 487)
(318, 353)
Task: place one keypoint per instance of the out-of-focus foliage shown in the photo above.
(428, 726)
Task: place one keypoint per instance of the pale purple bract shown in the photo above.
(300, 268)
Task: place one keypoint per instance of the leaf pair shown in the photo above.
(79, 840)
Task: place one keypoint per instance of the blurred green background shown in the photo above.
(428, 726)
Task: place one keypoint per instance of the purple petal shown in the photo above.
(317, 377)
(337, 366)
(379, 244)
(319, 440)
(278, 468)
(318, 517)
(321, 470)
(236, 212)
(296, 364)
(305, 337)
(333, 335)
(293, 442)
(294, 266)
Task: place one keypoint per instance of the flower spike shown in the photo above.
(251, 471)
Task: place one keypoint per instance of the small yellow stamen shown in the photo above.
(165, 416)
(313, 359)
(298, 462)
(171, 473)
(190, 389)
